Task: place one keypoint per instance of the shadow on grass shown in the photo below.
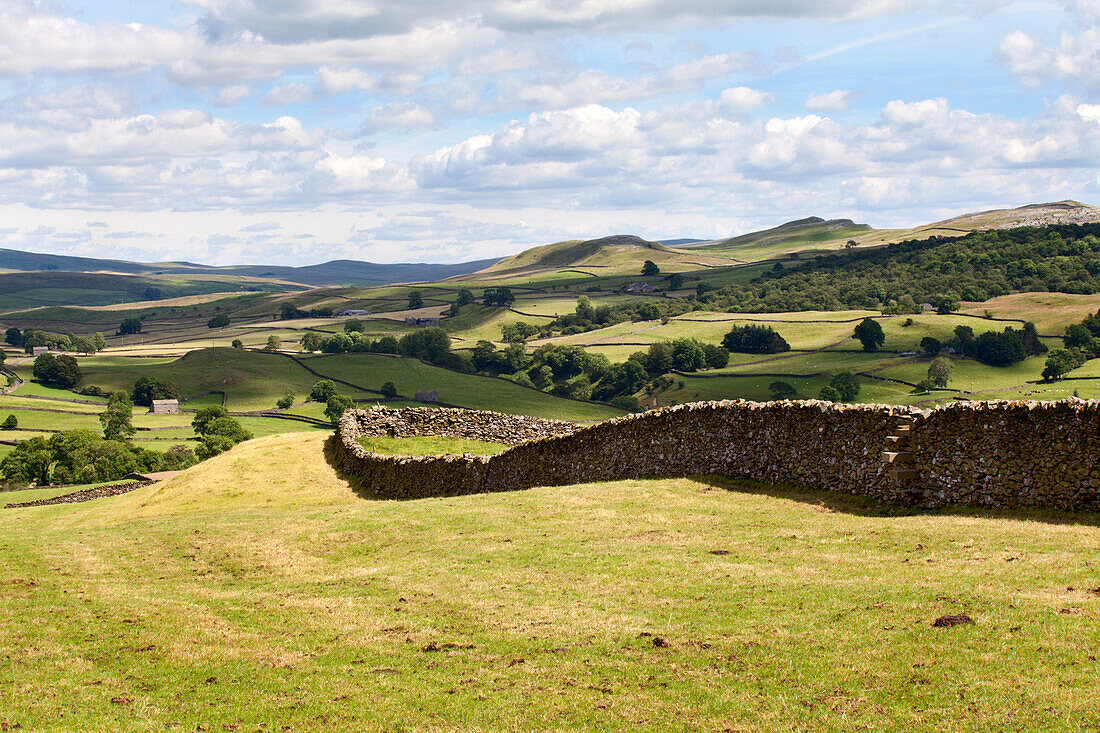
(867, 507)
(356, 485)
(826, 501)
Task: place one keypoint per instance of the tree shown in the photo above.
(237, 344)
(99, 342)
(13, 337)
(869, 332)
(336, 406)
(388, 390)
(353, 325)
(846, 385)
(205, 416)
(782, 391)
(939, 371)
(1059, 363)
(221, 320)
(426, 343)
(829, 394)
(322, 390)
(129, 326)
(117, 419)
(688, 355)
(650, 268)
(716, 356)
(147, 389)
(930, 345)
(999, 349)
(675, 281)
(272, 343)
(416, 300)
(464, 297)
(286, 401)
(11, 423)
(585, 310)
(311, 341)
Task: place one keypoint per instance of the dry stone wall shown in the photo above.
(993, 454)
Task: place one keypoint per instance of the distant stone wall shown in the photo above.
(991, 454)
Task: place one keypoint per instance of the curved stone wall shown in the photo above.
(1038, 454)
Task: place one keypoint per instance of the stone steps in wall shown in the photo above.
(905, 474)
(897, 441)
(896, 456)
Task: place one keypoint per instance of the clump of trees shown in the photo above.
(30, 338)
(117, 419)
(220, 320)
(129, 326)
(83, 457)
(61, 371)
(288, 312)
(498, 296)
(147, 389)
(753, 339)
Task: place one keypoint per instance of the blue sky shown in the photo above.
(297, 131)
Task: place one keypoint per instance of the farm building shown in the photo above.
(166, 407)
(39, 350)
(426, 395)
(351, 312)
(414, 321)
(641, 288)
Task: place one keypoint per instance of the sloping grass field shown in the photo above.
(258, 591)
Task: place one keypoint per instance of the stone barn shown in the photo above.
(39, 350)
(166, 407)
(426, 395)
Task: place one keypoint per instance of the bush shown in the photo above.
(11, 423)
(388, 390)
(238, 344)
(829, 394)
(286, 401)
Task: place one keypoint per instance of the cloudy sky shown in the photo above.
(297, 131)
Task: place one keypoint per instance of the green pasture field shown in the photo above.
(466, 390)
(429, 446)
(18, 399)
(755, 387)
(664, 604)
(1050, 312)
(252, 380)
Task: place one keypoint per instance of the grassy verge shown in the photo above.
(429, 446)
(662, 605)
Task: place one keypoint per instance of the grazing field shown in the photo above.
(235, 596)
(464, 390)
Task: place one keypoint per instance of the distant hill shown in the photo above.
(579, 252)
(336, 272)
(808, 230)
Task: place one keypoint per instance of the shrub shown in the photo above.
(626, 402)
(286, 401)
(388, 390)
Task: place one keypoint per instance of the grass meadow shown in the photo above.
(238, 597)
